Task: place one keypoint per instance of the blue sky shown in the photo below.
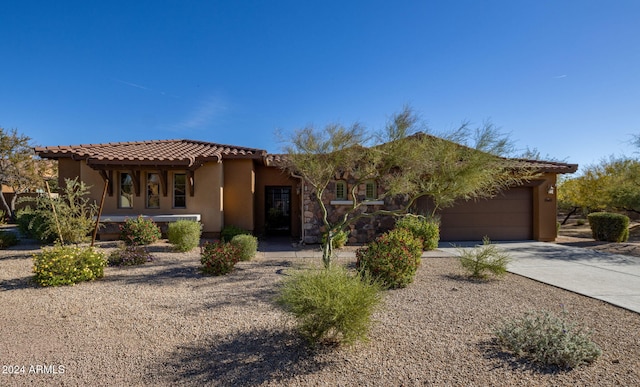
(562, 77)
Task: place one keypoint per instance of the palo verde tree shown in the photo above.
(19, 169)
(408, 163)
(611, 185)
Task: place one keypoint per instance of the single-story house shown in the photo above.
(221, 185)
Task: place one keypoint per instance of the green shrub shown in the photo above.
(8, 239)
(67, 265)
(23, 220)
(330, 304)
(393, 258)
(610, 227)
(228, 232)
(486, 258)
(129, 256)
(427, 229)
(247, 244)
(35, 224)
(72, 221)
(219, 258)
(548, 340)
(184, 234)
(339, 239)
(139, 231)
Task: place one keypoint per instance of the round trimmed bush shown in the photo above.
(609, 227)
(219, 258)
(229, 231)
(139, 231)
(392, 258)
(184, 234)
(247, 244)
(427, 229)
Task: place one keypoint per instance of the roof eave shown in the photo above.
(101, 164)
(45, 154)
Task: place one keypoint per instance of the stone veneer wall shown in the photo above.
(362, 231)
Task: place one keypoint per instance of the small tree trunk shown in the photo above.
(14, 200)
(573, 211)
(6, 206)
(327, 249)
(97, 225)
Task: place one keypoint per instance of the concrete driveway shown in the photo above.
(608, 277)
(613, 278)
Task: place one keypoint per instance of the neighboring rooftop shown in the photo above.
(159, 152)
(552, 166)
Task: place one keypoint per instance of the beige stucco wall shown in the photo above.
(207, 199)
(67, 169)
(239, 193)
(93, 179)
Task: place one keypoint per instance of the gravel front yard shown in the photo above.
(165, 324)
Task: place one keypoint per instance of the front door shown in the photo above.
(278, 210)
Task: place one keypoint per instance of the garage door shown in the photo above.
(508, 216)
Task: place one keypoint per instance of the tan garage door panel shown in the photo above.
(506, 217)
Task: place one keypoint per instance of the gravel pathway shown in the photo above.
(165, 324)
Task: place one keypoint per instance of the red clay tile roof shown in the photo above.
(186, 153)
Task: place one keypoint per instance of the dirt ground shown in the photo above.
(165, 324)
(576, 232)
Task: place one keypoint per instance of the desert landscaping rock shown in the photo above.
(165, 324)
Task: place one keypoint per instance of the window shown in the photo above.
(341, 190)
(370, 190)
(153, 190)
(179, 190)
(125, 199)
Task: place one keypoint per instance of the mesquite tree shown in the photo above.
(19, 169)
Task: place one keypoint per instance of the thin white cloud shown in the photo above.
(132, 84)
(203, 114)
(141, 87)
(560, 76)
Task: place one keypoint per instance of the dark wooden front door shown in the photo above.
(277, 210)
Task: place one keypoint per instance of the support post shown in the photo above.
(95, 229)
